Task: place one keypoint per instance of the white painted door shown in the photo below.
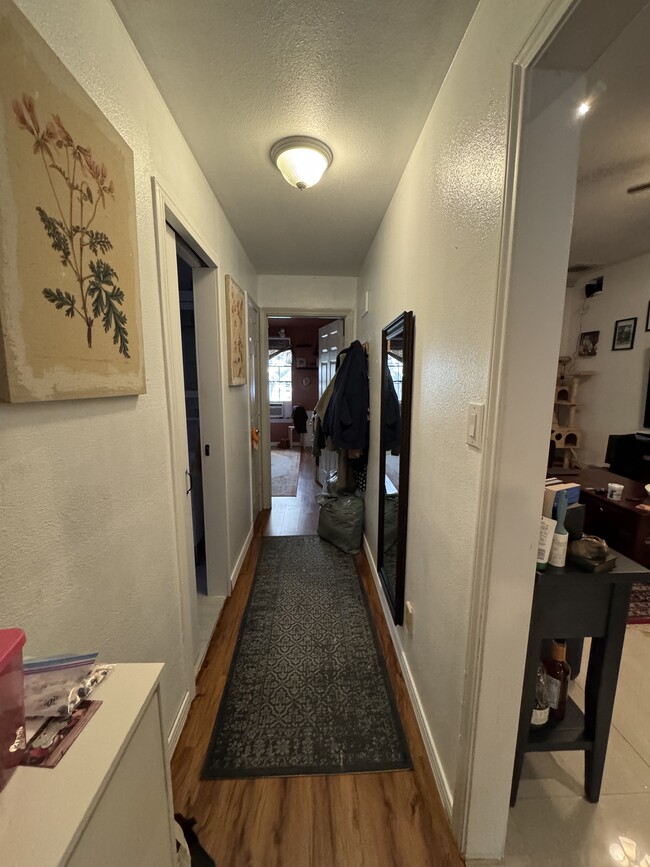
(213, 464)
(331, 340)
(255, 399)
(179, 439)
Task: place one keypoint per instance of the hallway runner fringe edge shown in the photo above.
(639, 611)
(308, 691)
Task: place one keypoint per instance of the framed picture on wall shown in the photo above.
(588, 346)
(647, 318)
(301, 362)
(237, 358)
(624, 332)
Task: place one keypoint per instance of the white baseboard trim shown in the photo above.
(203, 649)
(444, 788)
(179, 722)
(240, 560)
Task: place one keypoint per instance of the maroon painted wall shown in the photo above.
(304, 344)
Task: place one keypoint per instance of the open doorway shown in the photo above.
(597, 437)
(192, 413)
(298, 372)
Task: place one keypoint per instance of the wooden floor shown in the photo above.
(297, 516)
(390, 819)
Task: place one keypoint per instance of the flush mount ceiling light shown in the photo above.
(302, 161)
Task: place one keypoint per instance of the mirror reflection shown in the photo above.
(393, 483)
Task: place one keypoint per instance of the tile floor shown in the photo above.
(552, 825)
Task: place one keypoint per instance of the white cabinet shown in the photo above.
(108, 802)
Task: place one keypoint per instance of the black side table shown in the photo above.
(568, 603)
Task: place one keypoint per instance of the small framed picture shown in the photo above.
(624, 331)
(647, 318)
(301, 362)
(588, 345)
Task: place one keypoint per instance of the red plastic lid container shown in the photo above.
(12, 702)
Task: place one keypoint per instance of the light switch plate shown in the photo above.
(475, 425)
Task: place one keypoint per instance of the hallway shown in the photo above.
(389, 819)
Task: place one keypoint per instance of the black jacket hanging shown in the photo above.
(299, 417)
(346, 418)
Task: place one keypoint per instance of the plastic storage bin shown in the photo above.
(12, 704)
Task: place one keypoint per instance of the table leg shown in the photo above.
(600, 689)
(526, 707)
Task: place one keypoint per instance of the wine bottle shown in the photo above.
(541, 706)
(558, 672)
(560, 536)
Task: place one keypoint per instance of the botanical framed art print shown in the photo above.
(69, 276)
(624, 332)
(237, 357)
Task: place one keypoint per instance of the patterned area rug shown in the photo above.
(307, 691)
(639, 611)
(285, 471)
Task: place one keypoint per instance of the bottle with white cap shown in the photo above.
(560, 536)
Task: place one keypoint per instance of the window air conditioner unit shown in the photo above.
(279, 344)
(277, 410)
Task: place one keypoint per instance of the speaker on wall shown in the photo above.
(594, 287)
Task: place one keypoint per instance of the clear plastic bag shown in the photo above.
(52, 684)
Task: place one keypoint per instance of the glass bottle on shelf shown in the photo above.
(558, 672)
(541, 707)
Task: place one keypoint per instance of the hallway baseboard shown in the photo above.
(179, 722)
(444, 788)
(242, 556)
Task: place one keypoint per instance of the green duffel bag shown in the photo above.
(340, 521)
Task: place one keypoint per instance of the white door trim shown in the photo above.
(349, 318)
(167, 211)
(496, 536)
(550, 23)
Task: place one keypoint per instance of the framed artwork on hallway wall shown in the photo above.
(237, 356)
(69, 275)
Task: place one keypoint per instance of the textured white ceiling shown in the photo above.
(359, 74)
(610, 225)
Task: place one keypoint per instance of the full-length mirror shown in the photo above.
(397, 383)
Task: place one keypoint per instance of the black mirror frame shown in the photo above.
(404, 325)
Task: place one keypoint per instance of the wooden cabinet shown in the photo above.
(623, 526)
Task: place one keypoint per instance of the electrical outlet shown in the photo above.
(408, 618)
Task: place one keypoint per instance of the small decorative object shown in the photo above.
(301, 362)
(591, 554)
(237, 359)
(614, 491)
(624, 332)
(306, 381)
(588, 346)
(69, 276)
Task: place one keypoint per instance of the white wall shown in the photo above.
(86, 520)
(437, 252)
(613, 400)
(292, 292)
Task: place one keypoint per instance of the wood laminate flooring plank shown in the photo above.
(392, 819)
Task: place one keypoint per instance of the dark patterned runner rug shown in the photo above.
(639, 611)
(308, 691)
